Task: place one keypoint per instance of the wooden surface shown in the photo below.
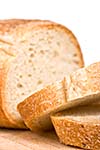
(27, 140)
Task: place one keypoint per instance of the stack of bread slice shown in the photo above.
(77, 100)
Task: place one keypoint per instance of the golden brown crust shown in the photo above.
(76, 133)
(41, 103)
(8, 25)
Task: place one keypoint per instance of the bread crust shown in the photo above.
(41, 104)
(17, 27)
(8, 25)
(77, 133)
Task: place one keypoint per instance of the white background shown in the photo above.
(81, 16)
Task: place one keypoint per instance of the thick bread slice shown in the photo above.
(42, 52)
(79, 126)
(79, 88)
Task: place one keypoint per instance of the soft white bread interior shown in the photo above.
(79, 126)
(41, 52)
(78, 88)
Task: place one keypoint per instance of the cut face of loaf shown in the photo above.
(79, 88)
(43, 52)
(10, 29)
(79, 126)
(8, 36)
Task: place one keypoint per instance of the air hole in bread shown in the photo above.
(29, 75)
(23, 93)
(30, 49)
(42, 51)
(19, 85)
(75, 55)
(30, 61)
(32, 55)
(39, 82)
(20, 76)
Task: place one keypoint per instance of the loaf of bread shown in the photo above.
(33, 53)
(79, 88)
(79, 126)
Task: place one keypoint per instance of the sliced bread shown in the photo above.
(79, 126)
(79, 88)
(41, 52)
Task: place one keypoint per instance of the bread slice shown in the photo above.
(79, 126)
(40, 52)
(79, 88)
